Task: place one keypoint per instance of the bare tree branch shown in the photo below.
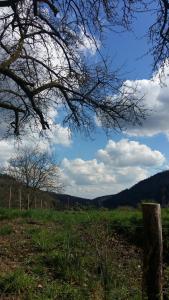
(35, 169)
(43, 64)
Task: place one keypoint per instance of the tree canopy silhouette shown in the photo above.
(43, 66)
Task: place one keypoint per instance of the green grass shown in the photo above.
(6, 230)
(118, 216)
(70, 255)
(16, 282)
(90, 255)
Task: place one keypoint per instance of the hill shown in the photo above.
(155, 188)
(37, 198)
(15, 194)
(68, 201)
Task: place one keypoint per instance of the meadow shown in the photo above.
(74, 255)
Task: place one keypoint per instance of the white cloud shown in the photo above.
(10, 146)
(129, 153)
(88, 46)
(87, 172)
(116, 167)
(156, 101)
(57, 135)
(6, 150)
(153, 93)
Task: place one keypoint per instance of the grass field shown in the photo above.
(90, 255)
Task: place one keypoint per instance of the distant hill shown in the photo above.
(69, 201)
(12, 191)
(37, 198)
(155, 188)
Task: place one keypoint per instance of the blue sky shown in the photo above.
(129, 50)
(126, 50)
(99, 165)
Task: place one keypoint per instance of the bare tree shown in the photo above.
(35, 169)
(42, 64)
(159, 33)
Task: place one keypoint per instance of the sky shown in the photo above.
(100, 165)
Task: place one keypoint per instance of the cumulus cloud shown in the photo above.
(153, 93)
(57, 135)
(87, 172)
(116, 167)
(88, 45)
(156, 101)
(6, 150)
(126, 177)
(129, 153)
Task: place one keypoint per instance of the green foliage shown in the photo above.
(43, 240)
(76, 255)
(6, 230)
(16, 282)
(73, 255)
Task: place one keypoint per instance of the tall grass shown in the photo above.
(72, 255)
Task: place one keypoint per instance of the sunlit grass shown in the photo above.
(72, 255)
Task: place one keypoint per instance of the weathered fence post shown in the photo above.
(152, 252)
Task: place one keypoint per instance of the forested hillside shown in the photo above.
(155, 188)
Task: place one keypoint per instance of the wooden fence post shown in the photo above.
(152, 252)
